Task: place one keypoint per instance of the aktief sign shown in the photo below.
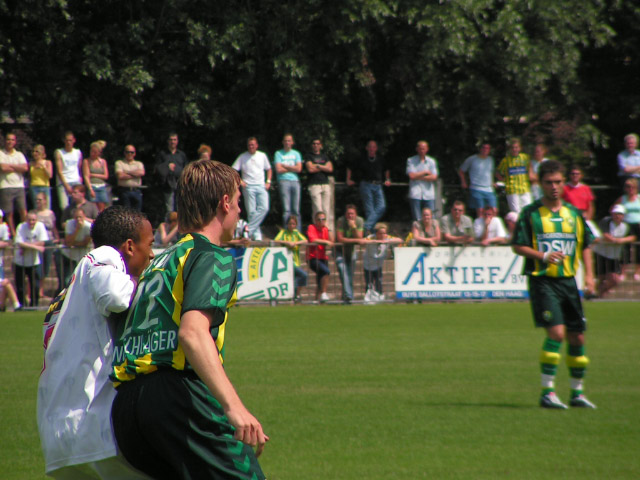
(458, 273)
(265, 274)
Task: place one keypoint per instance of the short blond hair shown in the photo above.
(201, 187)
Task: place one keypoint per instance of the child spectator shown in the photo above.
(376, 251)
(292, 238)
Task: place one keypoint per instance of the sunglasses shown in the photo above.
(129, 151)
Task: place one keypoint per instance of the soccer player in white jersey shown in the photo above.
(74, 391)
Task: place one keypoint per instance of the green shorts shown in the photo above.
(556, 301)
(169, 426)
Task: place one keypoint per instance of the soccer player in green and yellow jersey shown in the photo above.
(176, 414)
(553, 237)
(515, 171)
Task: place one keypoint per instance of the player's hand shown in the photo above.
(589, 284)
(248, 429)
(553, 257)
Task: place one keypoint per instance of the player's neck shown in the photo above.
(212, 231)
(552, 204)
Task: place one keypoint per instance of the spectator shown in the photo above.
(167, 232)
(629, 159)
(349, 232)
(515, 172)
(13, 165)
(631, 203)
(456, 227)
(319, 167)
(422, 171)
(169, 165)
(96, 174)
(292, 239)
(46, 216)
(615, 233)
(40, 175)
(78, 199)
(510, 220)
(377, 249)
(480, 169)
(372, 173)
(489, 229)
(288, 164)
(76, 240)
(578, 194)
(539, 153)
(252, 166)
(204, 152)
(129, 173)
(68, 162)
(29, 241)
(6, 289)
(319, 234)
(427, 230)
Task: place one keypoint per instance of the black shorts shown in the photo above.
(169, 426)
(556, 301)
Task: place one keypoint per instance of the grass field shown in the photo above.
(445, 391)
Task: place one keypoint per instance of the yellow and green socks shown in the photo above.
(577, 363)
(549, 360)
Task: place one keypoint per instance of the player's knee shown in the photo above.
(577, 362)
(551, 358)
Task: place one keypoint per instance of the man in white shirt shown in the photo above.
(13, 165)
(74, 391)
(252, 166)
(489, 229)
(422, 171)
(29, 242)
(77, 237)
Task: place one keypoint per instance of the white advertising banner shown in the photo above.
(469, 272)
(264, 273)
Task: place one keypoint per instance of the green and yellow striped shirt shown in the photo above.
(193, 274)
(515, 171)
(547, 231)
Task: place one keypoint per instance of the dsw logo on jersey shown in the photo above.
(557, 242)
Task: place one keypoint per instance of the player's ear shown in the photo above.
(127, 248)
(225, 203)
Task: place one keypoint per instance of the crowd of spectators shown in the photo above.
(83, 189)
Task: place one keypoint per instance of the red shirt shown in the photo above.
(579, 196)
(317, 251)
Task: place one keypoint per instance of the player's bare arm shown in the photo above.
(202, 354)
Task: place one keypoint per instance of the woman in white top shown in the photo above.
(68, 165)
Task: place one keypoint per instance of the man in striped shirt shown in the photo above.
(553, 237)
(514, 170)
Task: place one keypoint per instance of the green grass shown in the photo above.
(445, 391)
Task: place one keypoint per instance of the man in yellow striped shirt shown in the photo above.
(514, 170)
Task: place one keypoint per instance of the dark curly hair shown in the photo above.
(115, 225)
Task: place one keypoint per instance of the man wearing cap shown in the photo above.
(615, 233)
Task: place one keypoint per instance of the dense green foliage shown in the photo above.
(398, 70)
(445, 391)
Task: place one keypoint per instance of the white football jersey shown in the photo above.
(74, 391)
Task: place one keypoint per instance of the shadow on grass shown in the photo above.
(480, 405)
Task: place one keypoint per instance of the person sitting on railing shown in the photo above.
(615, 233)
(510, 220)
(489, 229)
(319, 234)
(631, 202)
(377, 249)
(77, 239)
(456, 227)
(167, 232)
(426, 231)
(292, 239)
